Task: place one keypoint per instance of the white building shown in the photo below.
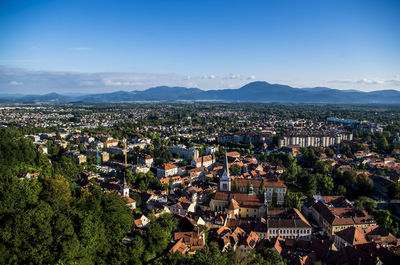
(203, 161)
(167, 170)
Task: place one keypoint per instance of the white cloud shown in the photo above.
(208, 77)
(367, 81)
(109, 82)
(15, 83)
(252, 77)
(370, 81)
(234, 76)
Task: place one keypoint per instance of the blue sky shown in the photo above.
(91, 46)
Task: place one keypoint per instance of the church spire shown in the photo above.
(225, 182)
(226, 167)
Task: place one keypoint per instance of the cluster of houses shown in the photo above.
(244, 219)
(244, 211)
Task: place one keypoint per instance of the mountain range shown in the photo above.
(258, 91)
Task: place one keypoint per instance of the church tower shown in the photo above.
(125, 189)
(225, 181)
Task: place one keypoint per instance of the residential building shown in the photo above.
(167, 170)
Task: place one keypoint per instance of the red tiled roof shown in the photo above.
(204, 158)
(244, 199)
(270, 183)
(252, 240)
(353, 235)
(233, 154)
(168, 166)
(128, 199)
(179, 247)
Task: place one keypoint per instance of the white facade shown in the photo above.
(313, 140)
(167, 172)
(289, 233)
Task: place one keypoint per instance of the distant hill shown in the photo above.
(258, 91)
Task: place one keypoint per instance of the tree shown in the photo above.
(364, 184)
(349, 178)
(235, 169)
(136, 250)
(170, 184)
(159, 235)
(129, 176)
(341, 190)
(271, 257)
(235, 187)
(274, 200)
(325, 183)
(56, 191)
(308, 182)
(365, 203)
(394, 191)
(262, 188)
(382, 145)
(322, 167)
(382, 217)
(292, 200)
(81, 148)
(292, 170)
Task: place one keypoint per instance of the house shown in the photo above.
(43, 148)
(335, 213)
(270, 185)
(62, 144)
(188, 242)
(105, 156)
(203, 161)
(111, 143)
(239, 204)
(145, 159)
(142, 222)
(354, 236)
(183, 207)
(130, 202)
(180, 247)
(249, 243)
(211, 150)
(167, 170)
(287, 224)
(81, 159)
(183, 151)
(155, 201)
(298, 251)
(230, 238)
(140, 169)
